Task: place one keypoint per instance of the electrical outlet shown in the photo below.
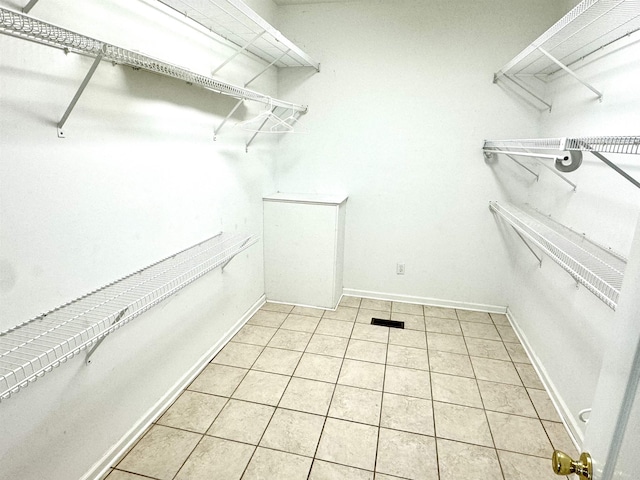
(400, 269)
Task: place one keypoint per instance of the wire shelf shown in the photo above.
(591, 25)
(237, 23)
(37, 346)
(628, 144)
(599, 269)
(29, 28)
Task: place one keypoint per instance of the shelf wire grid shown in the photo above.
(236, 22)
(590, 26)
(37, 346)
(619, 144)
(598, 269)
(28, 28)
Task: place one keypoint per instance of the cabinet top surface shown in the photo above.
(316, 198)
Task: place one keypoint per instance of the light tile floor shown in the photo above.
(302, 393)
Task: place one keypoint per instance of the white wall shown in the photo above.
(137, 178)
(399, 112)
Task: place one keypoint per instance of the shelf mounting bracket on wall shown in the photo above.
(87, 359)
(490, 154)
(76, 97)
(533, 252)
(570, 72)
(242, 245)
(522, 87)
(29, 6)
(238, 52)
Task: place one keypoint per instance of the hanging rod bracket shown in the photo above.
(95, 346)
(78, 94)
(570, 72)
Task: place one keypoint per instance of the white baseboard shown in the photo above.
(100, 468)
(434, 302)
(561, 407)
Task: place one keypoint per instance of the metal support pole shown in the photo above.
(528, 91)
(29, 6)
(76, 97)
(239, 51)
(570, 72)
(528, 246)
(246, 148)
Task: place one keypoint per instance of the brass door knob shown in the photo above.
(563, 464)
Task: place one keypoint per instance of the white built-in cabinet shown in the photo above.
(304, 248)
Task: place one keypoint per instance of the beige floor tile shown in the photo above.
(479, 347)
(439, 312)
(495, 371)
(348, 443)
(519, 434)
(517, 353)
(407, 455)
(458, 460)
(355, 373)
(372, 333)
(300, 323)
(507, 334)
(480, 330)
(308, 311)
(293, 432)
(464, 424)
(266, 318)
(446, 343)
(327, 345)
(346, 314)
(543, 404)
(242, 421)
(382, 476)
(524, 467)
(500, 397)
(254, 335)
(277, 360)
(442, 325)
(193, 411)
(160, 453)
(408, 308)
(238, 355)
(331, 471)
(218, 380)
(262, 387)
(474, 316)
(458, 390)
(499, 318)
(308, 396)
(560, 438)
(336, 328)
(365, 315)
(529, 376)
(408, 357)
(411, 322)
(406, 381)
(120, 475)
(371, 304)
(290, 340)
(348, 301)
(269, 464)
(408, 414)
(450, 363)
(356, 404)
(318, 367)
(216, 458)
(366, 351)
(407, 338)
(277, 307)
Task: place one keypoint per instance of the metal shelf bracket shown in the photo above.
(242, 245)
(533, 252)
(238, 52)
(522, 87)
(87, 359)
(76, 97)
(570, 72)
(29, 6)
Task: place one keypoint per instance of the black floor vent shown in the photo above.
(387, 323)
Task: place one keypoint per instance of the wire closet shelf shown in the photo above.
(627, 145)
(590, 26)
(32, 349)
(240, 25)
(28, 28)
(596, 267)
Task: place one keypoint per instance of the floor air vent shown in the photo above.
(387, 323)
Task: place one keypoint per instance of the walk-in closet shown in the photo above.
(319, 239)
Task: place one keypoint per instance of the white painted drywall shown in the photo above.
(400, 110)
(138, 178)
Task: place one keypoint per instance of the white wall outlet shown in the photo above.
(400, 269)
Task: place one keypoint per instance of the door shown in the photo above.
(612, 436)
